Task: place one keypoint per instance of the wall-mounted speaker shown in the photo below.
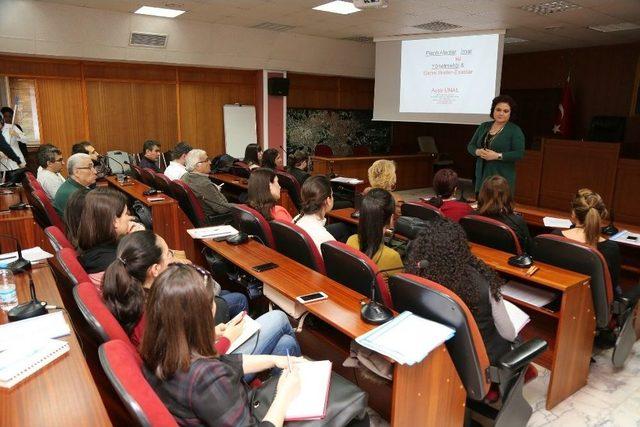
(278, 86)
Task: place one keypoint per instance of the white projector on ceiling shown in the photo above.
(370, 4)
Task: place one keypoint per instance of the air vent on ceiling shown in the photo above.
(550, 7)
(272, 26)
(148, 40)
(359, 39)
(437, 26)
(623, 26)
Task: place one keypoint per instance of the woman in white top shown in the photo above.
(317, 200)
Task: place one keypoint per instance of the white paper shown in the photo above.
(626, 237)
(552, 222)
(212, 232)
(345, 180)
(32, 254)
(311, 401)
(518, 317)
(250, 328)
(52, 325)
(529, 294)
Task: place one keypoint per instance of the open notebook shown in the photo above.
(250, 328)
(22, 360)
(311, 402)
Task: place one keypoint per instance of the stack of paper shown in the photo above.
(529, 294)
(311, 401)
(552, 222)
(212, 232)
(50, 325)
(625, 236)
(518, 317)
(32, 254)
(407, 339)
(345, 180)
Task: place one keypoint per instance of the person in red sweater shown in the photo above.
(264, 193)
(445, 185)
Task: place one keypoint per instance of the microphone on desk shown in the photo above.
(373, 311)
(21, 264)
(117, 161)
(29, 309)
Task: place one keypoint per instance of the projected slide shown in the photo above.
(449, 75)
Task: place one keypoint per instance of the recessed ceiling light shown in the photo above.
(338, 6)
(623, 26)
(550, 7)
(509, 40)
(159, 11)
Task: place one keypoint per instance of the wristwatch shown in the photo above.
(499, 156)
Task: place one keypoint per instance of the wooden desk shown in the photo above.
(61, 394)
(412, 170)
(427, 394)
(242, 185)
(342, 215)
(19, 224)
(569, 331)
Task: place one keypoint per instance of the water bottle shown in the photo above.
(8, 295)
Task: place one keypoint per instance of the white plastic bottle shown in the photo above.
(8, 295)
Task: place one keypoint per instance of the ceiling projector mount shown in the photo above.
(370, 4)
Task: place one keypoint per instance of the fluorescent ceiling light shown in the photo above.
(508, 40)
(623, 26)
(338, 6)
(159, 11)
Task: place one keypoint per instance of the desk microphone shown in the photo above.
(21, 264)
(29, 309)
(117, 161)
(373, 311)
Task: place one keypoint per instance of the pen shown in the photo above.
(288, 360)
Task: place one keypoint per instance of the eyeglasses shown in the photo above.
(204, 161)
(60, 160)
(87, 167)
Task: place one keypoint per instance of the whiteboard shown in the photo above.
(239, 128)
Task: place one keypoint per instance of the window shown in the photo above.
(22, 93)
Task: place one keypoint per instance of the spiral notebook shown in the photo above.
(311, 401)
(26, 358)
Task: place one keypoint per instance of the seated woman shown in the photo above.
(445, 185)
(495, 201)
(105, 219)
(253, 156)
(197, 384)
(587, 213)
(382, 174)
(443, 247)
(264, 193)
(73, 214)
(272, 159)
(298, 163)
(317, 200)
(375, 217)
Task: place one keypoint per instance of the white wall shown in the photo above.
(38, 28)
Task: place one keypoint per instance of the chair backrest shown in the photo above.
(240, 169)
(146, 176)
(68, 260)
(136, 172)
(118, 166)
(188, 202)
(163, 183)
(296, 244)
(57, 238)
(435, 302)
(420, 210)
(250, 221)
(323, 150)
(38, 210)
(30, 182)
(124, 370)
(355, 270)
(492, 233)
(427, 144)
(291, 184)
(578, 257)
(49, 210)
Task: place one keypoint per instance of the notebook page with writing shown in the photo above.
(311, 402)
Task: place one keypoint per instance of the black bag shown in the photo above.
(409, 226)
(143, 213)
(346, 406)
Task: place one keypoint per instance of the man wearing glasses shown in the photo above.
(50, 161)
(213, 202)
(82, 174)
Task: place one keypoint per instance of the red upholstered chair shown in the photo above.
(124, 370)
(432, 301)
(291, 184)
(240, 169)
(30, 182)
(136, 171)
(420, 210)
(323, 150)
(52, 216)
(95, 312)
(355, 270)
(250, 221)
(163, 183)
(68, 260)
(492, 233)
(188, 202)
(296, 244)
(38, 210)
(57, 238)
(146, 176)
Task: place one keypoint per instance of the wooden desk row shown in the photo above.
(19, 224)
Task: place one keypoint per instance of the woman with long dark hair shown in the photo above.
(272, 159)
(264, 193)
(376, 211)
(252, 155)
(317, 200)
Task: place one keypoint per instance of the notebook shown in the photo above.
(518, 317)
(250, 328)
(52, 325)
(311, 401)
(215, 232)
(23, 359)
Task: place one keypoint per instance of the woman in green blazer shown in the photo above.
(498, 144)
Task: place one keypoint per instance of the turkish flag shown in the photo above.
(563, 125)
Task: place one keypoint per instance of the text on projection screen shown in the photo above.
(448, 75)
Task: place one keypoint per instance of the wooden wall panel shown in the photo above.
(528, 173)
(626, 201)
(60, 108)
(155, 113)
(39, 67)
(128, 72)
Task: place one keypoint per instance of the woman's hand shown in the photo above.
(282, 362)
(490, 155)
(288, 384)
(232, 331)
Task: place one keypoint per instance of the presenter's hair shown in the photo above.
(495, 197)
(314, 193)
(507, 100)
(588, 208)
(445, 182)
(375, 213)
(101, 207)
(251, 154)
(259, 191)
(193, 158)
(73, 161)
(382, 174)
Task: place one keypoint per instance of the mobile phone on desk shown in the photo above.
(313, 297)
(264, 267)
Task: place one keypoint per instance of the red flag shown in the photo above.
(563, 125)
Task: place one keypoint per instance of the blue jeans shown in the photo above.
(236, 301)
(275, 336)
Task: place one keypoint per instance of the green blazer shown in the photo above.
(509, 142)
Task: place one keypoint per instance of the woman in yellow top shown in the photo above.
(375, 216)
